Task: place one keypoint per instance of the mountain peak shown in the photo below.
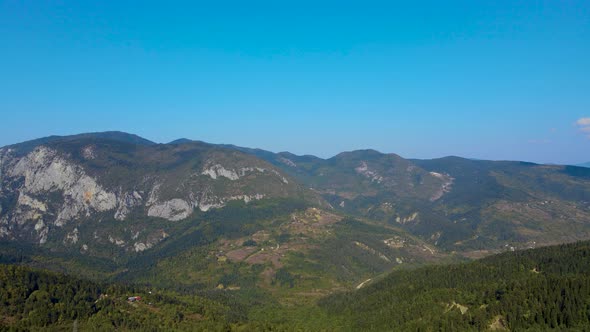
(363, 153)
(181, 141)
(118, 136)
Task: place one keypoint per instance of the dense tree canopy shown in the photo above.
(547, 288)
(533, 290)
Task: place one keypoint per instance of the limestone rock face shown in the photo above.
(151, 241)
(126, 202)
(44, 171)
(217, 171)
(174, 209)
(51, 192)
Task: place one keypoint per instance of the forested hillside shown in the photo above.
(533, 290)
(35, 299)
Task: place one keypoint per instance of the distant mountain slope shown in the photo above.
(359, 174)
(514, 202)
(533, 290)
(456, 203)
(587, 165)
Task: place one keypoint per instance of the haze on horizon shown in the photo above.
(486, 80)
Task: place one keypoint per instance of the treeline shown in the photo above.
(533, 290)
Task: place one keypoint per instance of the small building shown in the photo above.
(222, 259)
(134, 298)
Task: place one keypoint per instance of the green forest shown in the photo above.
(35, 299)
(533, 290)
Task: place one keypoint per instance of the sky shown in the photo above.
(501, 80)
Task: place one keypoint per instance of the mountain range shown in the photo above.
(190, 214)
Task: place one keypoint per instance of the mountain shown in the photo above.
(454, 203)
(51, 188)
(457, 204)
(349, 176)
(499, 202)
(587, 165)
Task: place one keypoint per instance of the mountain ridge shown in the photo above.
(416, 194)
(129, 137)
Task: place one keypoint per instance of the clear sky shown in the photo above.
(481, 79)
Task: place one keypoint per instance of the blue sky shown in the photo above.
(480, 79)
